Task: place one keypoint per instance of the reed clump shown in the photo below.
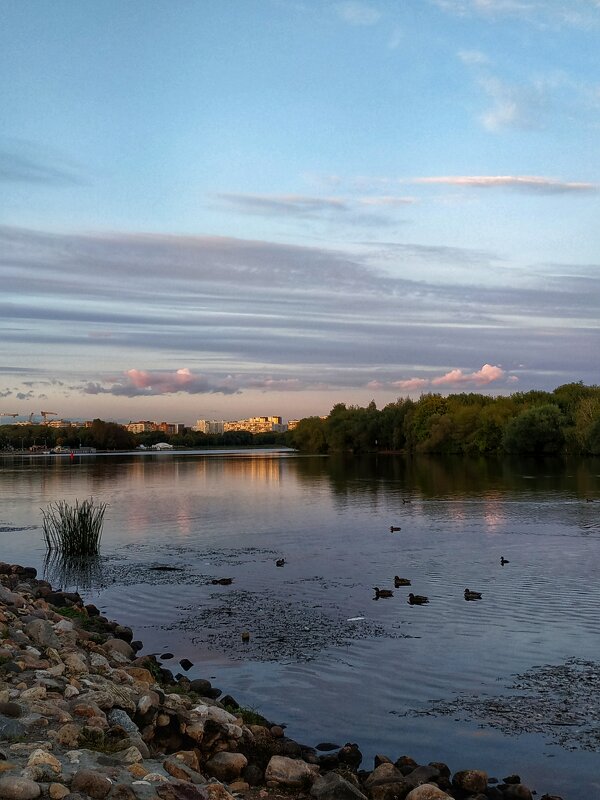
(74, 530)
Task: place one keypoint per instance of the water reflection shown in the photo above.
(79, 573)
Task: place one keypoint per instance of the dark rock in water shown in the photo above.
(136, 645)
(11, 709)
(517, 791)
(124, 632)
(325, 747)
(550, 797)
(350, 754)
(229, 701)
(166, 676)
(425, 774)
(213, 693)
(470, 780)
(167, 656)
(185, 664)
(512, 779)
(166, 568)
(442, 768)
(93, 611)
(406, 764)
(200, 686)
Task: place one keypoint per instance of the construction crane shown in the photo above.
(6, 414)
(45, 415)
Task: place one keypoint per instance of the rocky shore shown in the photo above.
(82, 716)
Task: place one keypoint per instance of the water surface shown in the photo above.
(325, 657)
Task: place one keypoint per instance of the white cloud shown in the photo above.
(473, 57)
(356, 13)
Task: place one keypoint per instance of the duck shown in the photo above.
(280, 562)
(245, 636)
(222, 581)
(394, 528)
(469, 595)
(417, 599)
(398, 582)
(504, 561)
(382, 592)
(404, 500)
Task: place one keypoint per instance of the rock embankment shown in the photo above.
(82, 716)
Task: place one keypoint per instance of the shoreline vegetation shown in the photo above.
(539, 423)
(83, 715)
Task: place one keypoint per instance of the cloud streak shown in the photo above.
(528, 183)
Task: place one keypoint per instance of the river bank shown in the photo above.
(83, 715)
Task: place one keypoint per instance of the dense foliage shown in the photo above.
(565, 420)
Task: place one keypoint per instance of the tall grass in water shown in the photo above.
(74, 530)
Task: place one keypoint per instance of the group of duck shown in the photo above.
(416, 599)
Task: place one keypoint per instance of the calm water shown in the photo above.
(310, 662)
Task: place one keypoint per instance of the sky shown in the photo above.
(226, 208)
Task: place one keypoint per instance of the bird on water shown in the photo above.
(469, 595)
(417, 599)
(398, 582)
(504, 561)
(382, 592)
(394, 528)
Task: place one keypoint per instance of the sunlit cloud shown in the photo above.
(411, 384)
(290, 204)
(357, 13)
(456, 377)
(532, 183)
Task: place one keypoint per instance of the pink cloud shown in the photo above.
(411, 384)
(456, 377)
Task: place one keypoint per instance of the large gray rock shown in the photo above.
(119, 646)
(332, 786)
(384, 773)
(15, 788)
(424, 774)
(290, 772)
(41, 632)
(517, 791)
(11, 598)
(226, 766)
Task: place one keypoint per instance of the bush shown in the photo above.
(74, 530)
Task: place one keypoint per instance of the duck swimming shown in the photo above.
(222, 581)
(280, 562)
(398, 582)
(469, 595)
(504, 561)
(382, 592)
(417, 599)
(394, 528)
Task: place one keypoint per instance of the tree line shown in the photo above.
(566, 420)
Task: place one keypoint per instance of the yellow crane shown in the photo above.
(46, 414)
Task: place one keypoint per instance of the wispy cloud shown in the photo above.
(138, 383)
(391, 201)
(357, 13)
(22, 162)
(473, 57)
(285, 204)
(582, 14)
(529, 183)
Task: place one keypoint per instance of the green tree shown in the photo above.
(536, 431)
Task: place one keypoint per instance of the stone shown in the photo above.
(88, 781)
(226, 766)
(200, 686)
(427, 791)
(15, 788)
(384, 773)
(253, 774)
(11, 709)
(214, 791)
(70, 691)
(140, 674)
(100, 663)
(68, 735)
(42, 758)
(334, 787)
(351, 755)
(470, 780)
(392, 790)
(11, 598)
(42, 633)
(11, 728)
(131, 756)
(75, 664)
(406, 764)
(148, 702)
(290, 772)
(517, 791)
(425, 774)
(57, 791)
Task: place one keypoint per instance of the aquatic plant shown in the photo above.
(74, 530)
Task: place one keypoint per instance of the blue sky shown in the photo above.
(220, 209)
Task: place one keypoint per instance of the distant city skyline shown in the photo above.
(222, 210)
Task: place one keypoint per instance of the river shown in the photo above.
(438, 681)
